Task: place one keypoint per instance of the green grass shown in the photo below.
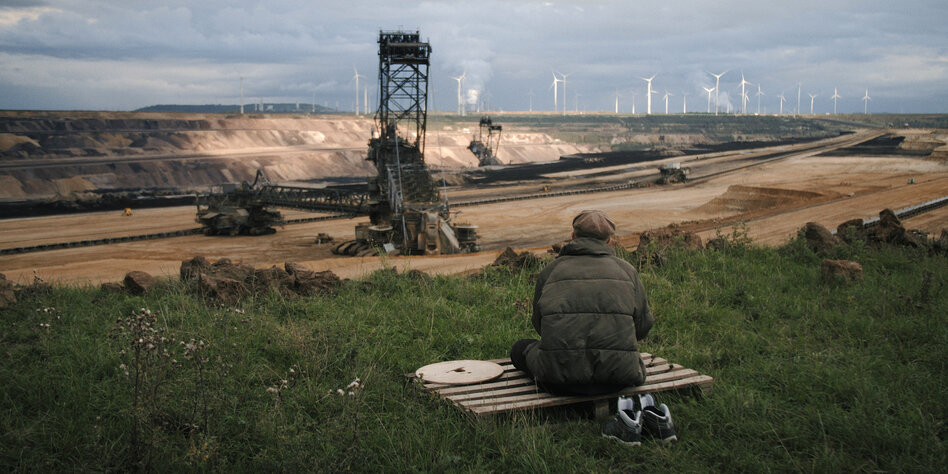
(808, 376)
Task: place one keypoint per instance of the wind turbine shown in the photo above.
(531, 100)
(617, 101)
(709, 97)
(717, 87)
(759, 93)
(834, 97)
(684, 103)
(460, 101)
(799, 87)
(667, 95)
(555, 88)
(782, 100)
(356, 77)
(812, 98)
(564, 91)
(648, 94)
(633, 103)
(866, 100)
(242, 95)
(744, 83)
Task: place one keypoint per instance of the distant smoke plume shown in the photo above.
(472, 95)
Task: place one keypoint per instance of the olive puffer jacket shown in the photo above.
(590, 310)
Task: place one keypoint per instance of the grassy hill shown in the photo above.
(809, 375)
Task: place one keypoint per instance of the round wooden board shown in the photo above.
(460, 372)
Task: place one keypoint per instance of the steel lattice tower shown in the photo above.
(403, 86)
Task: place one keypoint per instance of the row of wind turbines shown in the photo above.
(744, 96)
(560, 79)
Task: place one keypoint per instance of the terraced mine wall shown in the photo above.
(107, 157)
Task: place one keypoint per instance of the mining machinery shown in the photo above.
(237, 208)
(487, 142)
(673, 173)
(406, 213)
(248, 208)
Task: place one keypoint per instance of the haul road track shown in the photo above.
(774, 190)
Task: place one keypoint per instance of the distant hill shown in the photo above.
(292, 108)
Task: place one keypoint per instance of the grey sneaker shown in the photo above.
(657, 423)
(624, 428)
(626, 403)
(646, 400)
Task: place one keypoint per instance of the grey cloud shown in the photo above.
(294, 48)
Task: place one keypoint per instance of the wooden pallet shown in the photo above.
(513, 390)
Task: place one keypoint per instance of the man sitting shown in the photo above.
(590, 310)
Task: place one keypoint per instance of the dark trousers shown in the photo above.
(519, 360)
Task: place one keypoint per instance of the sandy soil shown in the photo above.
(774, 199)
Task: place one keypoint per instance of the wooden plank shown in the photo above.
(498, 393)
(515, 391)
(473, 392)
(698, 380)
(525, 393)
(518, 377)
(448, 389)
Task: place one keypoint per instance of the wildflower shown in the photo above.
(340, 391)
(272, 390)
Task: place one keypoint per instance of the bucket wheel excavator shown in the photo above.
(487, 142)
(406, 213)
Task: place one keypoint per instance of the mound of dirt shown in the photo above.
(670, 236)
(511, 259)
(228, 283)
(739, 199)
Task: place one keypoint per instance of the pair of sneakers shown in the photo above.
(638, 416)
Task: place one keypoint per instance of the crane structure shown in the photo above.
(406, 213)
(487, 143)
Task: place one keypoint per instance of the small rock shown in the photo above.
(138, 283)
(225, 290)
(843, 232)
(190, 269)
(272, 277)
(297, 269)
(819, 239)
(840, 270)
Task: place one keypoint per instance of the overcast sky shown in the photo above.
(126, 54)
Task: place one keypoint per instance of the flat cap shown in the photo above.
(595, 224)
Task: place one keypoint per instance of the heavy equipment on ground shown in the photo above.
(249, 208)
(673, 173)
(485, 145)
(405, 210)
(406, 213)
